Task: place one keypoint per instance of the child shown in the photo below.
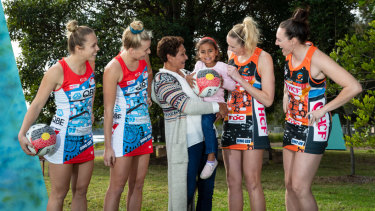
(208, 56)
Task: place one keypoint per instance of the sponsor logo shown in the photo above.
(58, 121)
(237, 118)
(73, 86)
(130, 82)
(60, 112)
(83, 93)
(296, 90)
(320, 129)
(83, 79)
(299, 77)
(297, 142)
(92, 81)
(293, 121)
(261, 118)
(117, 116)
(117, 108)
(243, 140)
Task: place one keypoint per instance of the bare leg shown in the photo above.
(136, 180)
(252, 168)
(305, 167)
(233, 168)
(291, 200)
(80, 182)
(59, 177)
(118, 177)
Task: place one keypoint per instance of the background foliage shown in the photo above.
(39, 27)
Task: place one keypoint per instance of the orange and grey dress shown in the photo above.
(245, 127)
(305, 94)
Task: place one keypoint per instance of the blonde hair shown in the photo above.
(76, 35)
(246, 33)
(134, 34)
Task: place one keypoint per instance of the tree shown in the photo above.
(39, 26)
(356, 54)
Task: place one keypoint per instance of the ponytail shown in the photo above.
(246, 33)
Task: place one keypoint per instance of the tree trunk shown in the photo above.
(352, 158)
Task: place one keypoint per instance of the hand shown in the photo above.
(24, 143)
(223, 109)
(149, 101)
(316, 115)
(109, 157)
(233, 73)
(190, 79)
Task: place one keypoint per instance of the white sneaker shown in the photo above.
(208, 169)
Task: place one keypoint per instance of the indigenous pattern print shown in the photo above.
(72, 120)
(305, 94)
(245, 127)
(131, 131)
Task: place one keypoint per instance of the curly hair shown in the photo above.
(169, 45)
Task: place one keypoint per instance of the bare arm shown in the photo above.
(149, 80)
(112, 75)
(51, 80)
(285, 100)
(322, 65)
(265, 65)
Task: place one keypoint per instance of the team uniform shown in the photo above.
(245, 127)
(131, 129)
(72, 121)
(305, 94)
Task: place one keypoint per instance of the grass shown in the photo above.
(333, 189)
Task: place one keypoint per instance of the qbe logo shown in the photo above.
(237, 118)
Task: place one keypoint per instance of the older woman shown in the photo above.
(184, 138)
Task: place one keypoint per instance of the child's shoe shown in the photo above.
(208, 169)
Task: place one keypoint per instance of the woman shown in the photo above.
(72, 161)
(245, 128)
(127, 125)
(308, 119)
(184, 138)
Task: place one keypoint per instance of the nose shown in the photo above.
(97, 48)
(148, 51)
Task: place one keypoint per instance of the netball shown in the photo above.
(207, 82)
(42, 137)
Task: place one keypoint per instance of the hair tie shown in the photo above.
(238, 35)
(209, 38)
(136, 31)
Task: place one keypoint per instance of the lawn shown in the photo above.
(333, 189)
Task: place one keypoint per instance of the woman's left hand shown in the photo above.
(316, 115)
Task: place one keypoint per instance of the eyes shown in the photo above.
(208, 51)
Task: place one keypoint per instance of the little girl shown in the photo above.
(208, 56)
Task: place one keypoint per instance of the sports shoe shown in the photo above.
(208, 169)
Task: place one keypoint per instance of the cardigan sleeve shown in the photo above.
(168, 90)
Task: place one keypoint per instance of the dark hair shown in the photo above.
(169, 45)
(76, 35)
(298, 25)
(208, 40)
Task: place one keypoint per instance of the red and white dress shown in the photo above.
(72, 120)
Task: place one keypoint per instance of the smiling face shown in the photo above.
(235, 46)
(284, 42)
(143, 50)
(207, 54)
(178, 62)
(90, 47)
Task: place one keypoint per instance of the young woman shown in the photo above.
(308, 119)
(127, 124)
(72, 76)
(245, 128)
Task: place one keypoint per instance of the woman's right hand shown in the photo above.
(191, 81)
(109, 157)
(24, 143)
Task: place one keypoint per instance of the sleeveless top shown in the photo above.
(131, 130)
(305, 94)
(72, 120)
(244, 109)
